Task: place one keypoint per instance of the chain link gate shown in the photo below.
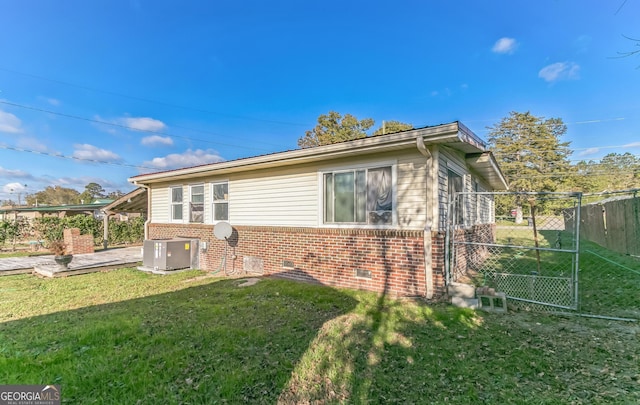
(523, 244)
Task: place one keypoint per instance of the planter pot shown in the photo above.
(63, 261)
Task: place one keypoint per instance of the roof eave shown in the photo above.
(454, 135)
(486, 165)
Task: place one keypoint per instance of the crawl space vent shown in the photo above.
(253, 264)
(363, 273)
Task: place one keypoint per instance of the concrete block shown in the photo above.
(465, 302)
(493, 303)
(461, 290)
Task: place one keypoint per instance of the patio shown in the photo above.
(81, 264)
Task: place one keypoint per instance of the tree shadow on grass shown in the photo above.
(211, 343)
(347, 361)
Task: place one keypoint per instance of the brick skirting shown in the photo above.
(384, 261)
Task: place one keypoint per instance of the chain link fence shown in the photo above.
(523, 244)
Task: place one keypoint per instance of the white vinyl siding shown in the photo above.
(413, 174)
(293, 197)
(160, 204)
(283, 198)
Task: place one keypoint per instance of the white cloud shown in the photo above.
(79, 183)
(10, 123)
(632, 145)
(156, 140)
(27, 142)
(143, 123)
(49, 100)
(10, 173)
(14, 188)
(560, 71)
(589, 151)
(186, 159)
(505, 45)
(90, 152)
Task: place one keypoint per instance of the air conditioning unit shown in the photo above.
(170, 254)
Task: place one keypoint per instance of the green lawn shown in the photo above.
(126, 337)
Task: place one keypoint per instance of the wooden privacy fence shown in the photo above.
(614, 224)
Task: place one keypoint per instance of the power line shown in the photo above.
(61, 156)
(241, 117)
(113, 124)
(620, 8)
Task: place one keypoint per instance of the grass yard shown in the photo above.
(126, 337)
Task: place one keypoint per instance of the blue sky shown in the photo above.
(115, 88)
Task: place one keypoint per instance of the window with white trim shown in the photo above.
(360, 196)
(220, 204)
(176, 203)
(196, 203)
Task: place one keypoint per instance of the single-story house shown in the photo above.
(366, 214)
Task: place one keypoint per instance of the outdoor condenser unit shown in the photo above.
(168, 254)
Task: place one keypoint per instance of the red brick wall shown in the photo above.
(395, 259)
(437, 262)
(76, 243)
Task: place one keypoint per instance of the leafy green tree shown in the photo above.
(613, 172)
(57, 195)
(114, 195)
(14, 230)
(623, 170)
(586, 177)
(91, 192)
(334, 128)
(390, 127)
(530, 153)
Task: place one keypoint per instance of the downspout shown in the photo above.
(426, 237)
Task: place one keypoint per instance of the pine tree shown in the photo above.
(530, 153)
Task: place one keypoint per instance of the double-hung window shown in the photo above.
(220, 200)
(176, 203)
(360, 196)
(196, 203)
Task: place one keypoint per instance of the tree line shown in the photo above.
(58, 195)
